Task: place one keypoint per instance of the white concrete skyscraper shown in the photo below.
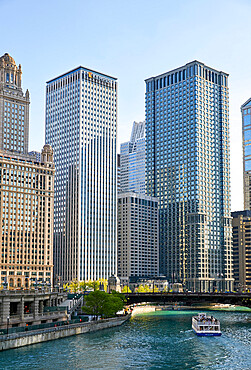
(81, 126)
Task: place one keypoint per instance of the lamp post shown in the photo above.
(8, 321)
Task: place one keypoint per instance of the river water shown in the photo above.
(158, 340)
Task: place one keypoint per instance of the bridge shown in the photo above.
(241, 299)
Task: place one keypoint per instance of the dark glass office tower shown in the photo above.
(246, 145)
(188, 169)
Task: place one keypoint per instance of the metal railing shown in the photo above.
(76, 303)
(29, 328)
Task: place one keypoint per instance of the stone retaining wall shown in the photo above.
(38, 336)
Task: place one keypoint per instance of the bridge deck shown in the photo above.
(241, 299)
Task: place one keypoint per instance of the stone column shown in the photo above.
(35, 307)
(5, 310)
(41, 306)
(20, 309)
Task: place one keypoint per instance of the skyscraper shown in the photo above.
(14, 107)
(187, 168)
(246, 145)
(132, 161)
(138, 247)
(81, 126)
(26, 189)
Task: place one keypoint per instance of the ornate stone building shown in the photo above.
(242, 249)
(26, 190)
(26, 219)
(14, 107)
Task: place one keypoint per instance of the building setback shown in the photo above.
(246, 145)
(187, 169)
(242, 249)
(81, 126)
(132, 161)
(138, 248)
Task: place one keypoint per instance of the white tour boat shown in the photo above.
(204, 325)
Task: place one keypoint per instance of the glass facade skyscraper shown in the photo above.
(81, 126)
(132, 161)
(246, 145)
(187, 168)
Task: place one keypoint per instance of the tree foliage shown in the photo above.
(140, 289)
(146, 289)
(99, 303)
(126, 289)
(76, 286)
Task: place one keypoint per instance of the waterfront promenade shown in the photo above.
(16, 340)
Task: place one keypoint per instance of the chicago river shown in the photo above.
(156, 340)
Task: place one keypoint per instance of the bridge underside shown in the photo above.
(191, 298)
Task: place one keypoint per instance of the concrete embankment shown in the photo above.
(38, 336)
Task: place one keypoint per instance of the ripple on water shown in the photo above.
(160, 340)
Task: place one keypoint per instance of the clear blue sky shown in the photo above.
(131, 40)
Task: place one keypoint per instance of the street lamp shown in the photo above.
(8, 321)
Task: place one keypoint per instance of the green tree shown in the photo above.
(83, 286)
(99, 303)
(95, 303)
(115, 303)
(147, 288)
(140, 289)
(156, 289)
(74, 286)
(94, 285)
(126, 289)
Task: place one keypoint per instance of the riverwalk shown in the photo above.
(38, 336)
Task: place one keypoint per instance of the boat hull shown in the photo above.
(207, 334)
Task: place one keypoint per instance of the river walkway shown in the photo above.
(37, 336)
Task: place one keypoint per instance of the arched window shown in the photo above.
(11, 283)
(19, 283)
(11, 78)
(26, 283)
(7, 77)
